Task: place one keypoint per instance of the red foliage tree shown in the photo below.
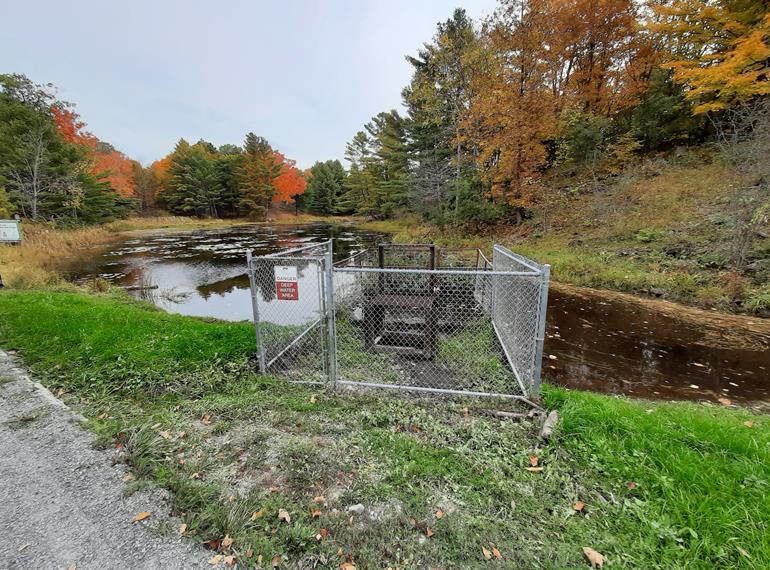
(290, 182)
(106, 162)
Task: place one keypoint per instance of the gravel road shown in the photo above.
(61, 500)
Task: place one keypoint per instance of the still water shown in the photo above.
(602, 344)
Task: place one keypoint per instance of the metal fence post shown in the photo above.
(255, 312)
(538, 368)
(331, 327)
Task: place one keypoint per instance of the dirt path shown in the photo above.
(61, 500)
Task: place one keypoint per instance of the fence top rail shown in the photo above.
(286, 252)
(352, 257)
(407, 245)
(518, 258)
(469, 271)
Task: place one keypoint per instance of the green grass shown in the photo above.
(145, 379)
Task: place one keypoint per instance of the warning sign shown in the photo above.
(286, 287)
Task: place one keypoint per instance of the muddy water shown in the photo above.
(612, 345)
(603, 342)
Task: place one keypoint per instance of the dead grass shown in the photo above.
(35, 263)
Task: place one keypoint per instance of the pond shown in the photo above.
(597, 342)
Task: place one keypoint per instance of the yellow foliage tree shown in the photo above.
(719, 49)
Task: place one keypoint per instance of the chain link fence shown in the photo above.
(413, 317)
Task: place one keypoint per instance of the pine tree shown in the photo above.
(256, 174)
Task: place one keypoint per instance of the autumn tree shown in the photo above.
(290, 183)
(45, 174)
(106, 162)
(719, 49)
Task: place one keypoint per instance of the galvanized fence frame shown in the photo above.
(510, 291)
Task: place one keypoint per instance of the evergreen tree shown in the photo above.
(255, 174)
(325, 187)
(436, 101)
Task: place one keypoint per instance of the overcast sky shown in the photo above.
(304, 74)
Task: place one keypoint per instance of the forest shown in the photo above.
(501, 118)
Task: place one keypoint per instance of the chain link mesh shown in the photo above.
(411, 316)
(288, 293)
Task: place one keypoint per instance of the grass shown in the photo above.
(178, 397)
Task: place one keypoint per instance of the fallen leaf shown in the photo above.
(313, 399)
(631, 485)
(165, 434)
(12, 352)
(182, 528)
(274, 489)
(699, 365)
(23, 547)
(439, 514)
(258, 514)
(128, 477)
(487, 554)
(725, 401)
(320, 499)
(141, 516)
(535, 469)
(213, 544)
(748, 423)
(579, 506)
(533, 460)
(227, 542)
(347, 566)
(322, 534)
(596, 559)
(284, 516)
(216, 559)
(249, 553)
(195, 475)
(315, 513)
(413, 521)
(276, 561)
(102, 416)
(230, 560)
(496, 552)
(181, 433)
(206, 419)
(429, 532)
(466, 413)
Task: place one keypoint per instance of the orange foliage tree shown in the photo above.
(106, 162)
(290, 182)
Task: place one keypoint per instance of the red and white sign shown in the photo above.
(286, 286)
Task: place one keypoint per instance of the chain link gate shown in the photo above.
(410, 317)
(293, 311)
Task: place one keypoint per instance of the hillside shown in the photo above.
(666, 227)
